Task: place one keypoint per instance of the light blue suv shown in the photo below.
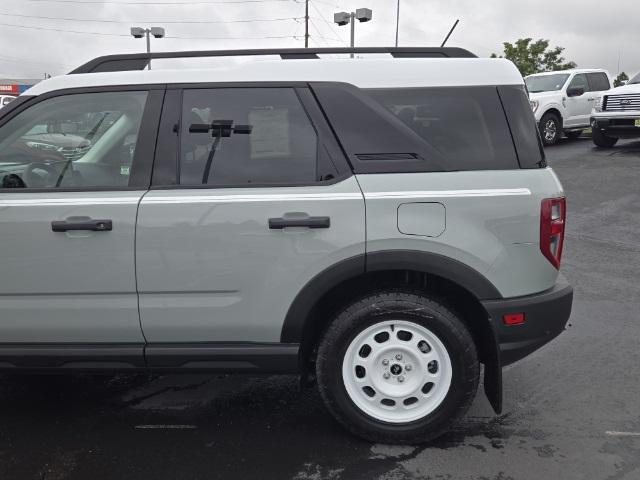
(381, 226)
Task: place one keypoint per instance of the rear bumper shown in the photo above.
(546, 315)
(617, 126)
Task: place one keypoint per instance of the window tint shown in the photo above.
(598, 82)
(467, 126)
(523, 126)
(237, 136)
(546, 83)
(579, 81)
(72, 141)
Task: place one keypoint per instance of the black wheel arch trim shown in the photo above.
(432, 263)
(466, 277)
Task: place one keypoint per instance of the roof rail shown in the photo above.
(139, 61)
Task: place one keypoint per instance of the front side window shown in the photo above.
(246, 136)
(467, 126)
(72, 141)
(546, 83)
(580, 81)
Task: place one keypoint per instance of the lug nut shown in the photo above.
(401, 378)
(385, 362)
(407, 368)
(385, 375)
(399, 357)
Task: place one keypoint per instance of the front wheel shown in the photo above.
(602, 140)
(397, 367)
(550, 128)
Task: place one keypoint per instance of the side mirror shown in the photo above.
(575, 91)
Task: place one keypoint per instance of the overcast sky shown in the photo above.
(595, 34)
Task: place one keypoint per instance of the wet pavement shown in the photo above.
(571, 410)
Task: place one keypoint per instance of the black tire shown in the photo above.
(573, 134)
(601, 140)
(550, 127)
(404, 305)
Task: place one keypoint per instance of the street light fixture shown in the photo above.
(344, 18)
(139, 32)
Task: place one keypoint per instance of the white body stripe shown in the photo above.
(293, 197)
(492, 192)
(62, 202)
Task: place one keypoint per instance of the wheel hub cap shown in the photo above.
(397, 371)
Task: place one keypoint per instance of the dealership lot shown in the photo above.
(571, 410)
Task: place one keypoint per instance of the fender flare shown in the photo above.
(450, 269)
(433, 263)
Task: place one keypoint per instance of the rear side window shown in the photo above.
(523, 126)
(598, 82)
(242, 136)
(467, 126)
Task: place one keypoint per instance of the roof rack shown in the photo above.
(139, 61)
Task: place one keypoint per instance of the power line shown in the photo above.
(84, 32)
(313, 24)
(325, 20)
(190, 2)
(150, 21)
(65, 31)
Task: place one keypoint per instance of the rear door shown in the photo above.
(73, 168)
(252, 198)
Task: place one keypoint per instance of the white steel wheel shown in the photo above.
(397, 371)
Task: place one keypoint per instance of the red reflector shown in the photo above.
(513, 318)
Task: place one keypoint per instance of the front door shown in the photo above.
(578, 107)
(72, 173)
(262, 202)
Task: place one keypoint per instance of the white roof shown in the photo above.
(573, 70)
(364, 73)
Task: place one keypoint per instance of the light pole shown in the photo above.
(397, 22)
(139, 32)
(344, 18)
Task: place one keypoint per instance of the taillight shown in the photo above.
(552, 217)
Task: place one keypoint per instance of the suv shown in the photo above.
(616, 114)
(382, 226)
(562, 100)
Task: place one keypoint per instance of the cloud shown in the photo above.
(593, 35)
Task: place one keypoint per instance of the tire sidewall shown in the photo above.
(542, 126)
(601, 140)
(442, 323)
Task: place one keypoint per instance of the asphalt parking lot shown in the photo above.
(572, 409)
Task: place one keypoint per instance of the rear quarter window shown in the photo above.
(466, 125)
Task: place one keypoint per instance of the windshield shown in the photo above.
(546, 83)
(635, 79)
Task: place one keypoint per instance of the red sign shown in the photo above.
(11, 89)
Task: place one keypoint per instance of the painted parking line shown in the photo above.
(165, 427)
(622, 434)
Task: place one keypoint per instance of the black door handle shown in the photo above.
(309, 222)
(92, 225)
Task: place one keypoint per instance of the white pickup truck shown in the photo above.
(562, 101)
(616, 114)
(6, 99)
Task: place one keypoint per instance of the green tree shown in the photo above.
(534, 57)
(620, 79)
